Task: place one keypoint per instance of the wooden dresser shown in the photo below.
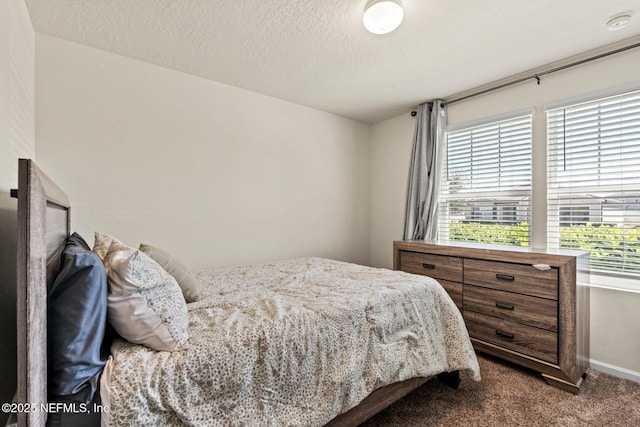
(524, 305)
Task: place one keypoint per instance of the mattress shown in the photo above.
(293, 342)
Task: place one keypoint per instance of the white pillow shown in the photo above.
(144, 303)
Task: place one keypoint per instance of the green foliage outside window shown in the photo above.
(612, 247)
(514, 234)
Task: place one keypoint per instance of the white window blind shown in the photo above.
(594, 181)
(485, 193)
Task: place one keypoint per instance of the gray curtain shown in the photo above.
(421, 214)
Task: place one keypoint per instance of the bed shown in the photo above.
(407, 331)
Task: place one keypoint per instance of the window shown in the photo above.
(594, 182)
(574, 215)
(486, 184)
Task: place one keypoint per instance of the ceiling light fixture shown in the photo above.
(382, 16)
(618, 21)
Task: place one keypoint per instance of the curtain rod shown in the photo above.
(516, 80)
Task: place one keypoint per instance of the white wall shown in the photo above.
(17, 92)
(17, 53)
(615, 326)
(215, 174)
(391, 143)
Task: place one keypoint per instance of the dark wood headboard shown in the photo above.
(43, 226)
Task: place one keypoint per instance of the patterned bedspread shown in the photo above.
(293, 342)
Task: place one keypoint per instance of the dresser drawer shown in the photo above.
(454, 290)
(436, 266)
(523, 279)
(514, 336)
(533, 311)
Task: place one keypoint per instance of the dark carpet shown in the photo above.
(512, 396)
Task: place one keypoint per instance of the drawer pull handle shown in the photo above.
(504, 305)
(428, 266)
(503, 334)
(505, 277)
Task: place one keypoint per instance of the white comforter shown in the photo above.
(294, 342)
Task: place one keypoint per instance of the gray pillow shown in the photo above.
(186, 280)
(144, 303)
(77, 316)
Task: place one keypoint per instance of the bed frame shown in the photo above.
(44, 224)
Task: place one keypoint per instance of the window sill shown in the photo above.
(614, 283)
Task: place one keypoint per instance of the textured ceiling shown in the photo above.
(318, 54)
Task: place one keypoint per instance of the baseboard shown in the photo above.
(615, 370)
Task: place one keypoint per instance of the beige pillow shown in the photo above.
(186, 280)
(101, 244)
(144, 303)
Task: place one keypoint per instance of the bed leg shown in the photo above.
(452, 379)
